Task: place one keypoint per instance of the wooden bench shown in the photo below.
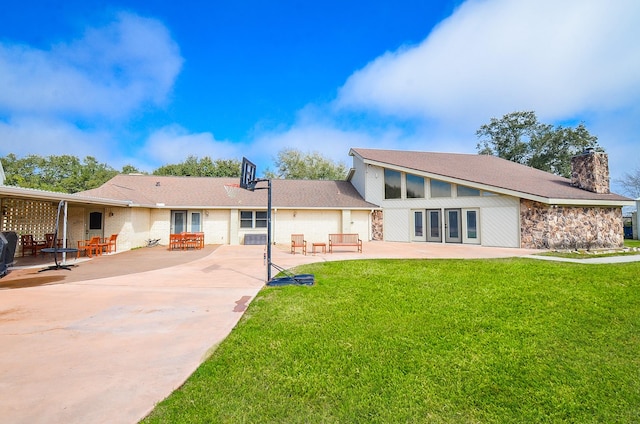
(345, 240)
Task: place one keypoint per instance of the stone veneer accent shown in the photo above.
(545, 227)
(590, 171)
(376, 226)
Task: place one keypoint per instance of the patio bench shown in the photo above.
(345, 240)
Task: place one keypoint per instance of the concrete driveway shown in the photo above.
(106, 341)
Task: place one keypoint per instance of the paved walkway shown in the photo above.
(96, 345)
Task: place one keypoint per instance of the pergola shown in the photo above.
(30, 211)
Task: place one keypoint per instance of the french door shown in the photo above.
(452, 226)
(178, 222)
(434, 225)
(186, 221)
(471, 226)
(460, 225)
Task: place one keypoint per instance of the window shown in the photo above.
(261, 219)
(392, 188)
(440, 188)
(253, 219)
(95, 221)
(415, 187)
(246, 219)
(464, 191)
(195, 222)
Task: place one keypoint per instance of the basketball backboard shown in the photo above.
(247, 174)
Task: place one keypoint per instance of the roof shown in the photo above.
(490, 172)
(209, 192)
(54, 196)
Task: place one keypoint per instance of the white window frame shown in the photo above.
(255, 219)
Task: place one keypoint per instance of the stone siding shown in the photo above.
(560, 227)
(590, 171)
(376, 226)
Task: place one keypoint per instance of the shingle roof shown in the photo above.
(487, 170)
(150, 190)
(56, 196)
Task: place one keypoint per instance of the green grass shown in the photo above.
(631, 243)
(438, 341)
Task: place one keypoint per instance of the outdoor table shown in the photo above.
(322, 246)
(55, 251)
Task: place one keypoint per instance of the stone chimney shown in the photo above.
(590, 171)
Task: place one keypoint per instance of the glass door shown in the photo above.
(178, 222)
(434, 225)
(418, 226)
(196, 225)
(471, 225)
(452, 225)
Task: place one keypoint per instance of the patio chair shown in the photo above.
(191, 240)
(90, 247)
(176, 241)
(200, 237)
(31, 245)
(49, 240)
(297, 240)
(111, 243)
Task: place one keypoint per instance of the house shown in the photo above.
(389, 195)
(485, 200)
(158, 206)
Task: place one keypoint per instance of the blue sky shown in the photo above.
(150, 83)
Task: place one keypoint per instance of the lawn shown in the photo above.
(442, 341)
(631, 243)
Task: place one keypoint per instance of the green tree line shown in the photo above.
(69, 174)
(64, 173)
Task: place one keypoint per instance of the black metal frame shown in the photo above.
(55, 249)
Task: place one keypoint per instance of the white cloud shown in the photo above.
(109, 72)
(28, 135)
(494, 57)
(173, 144)
(321, 135)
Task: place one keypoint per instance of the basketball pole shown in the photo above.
(268, 230)
(268, 188)
(248, 181)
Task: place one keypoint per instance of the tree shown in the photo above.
(205, 167)
(63, 173)
(631, 183)
(130, 169)
(295, 165)
(519, 137)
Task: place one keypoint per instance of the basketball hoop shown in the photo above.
(232, 190)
